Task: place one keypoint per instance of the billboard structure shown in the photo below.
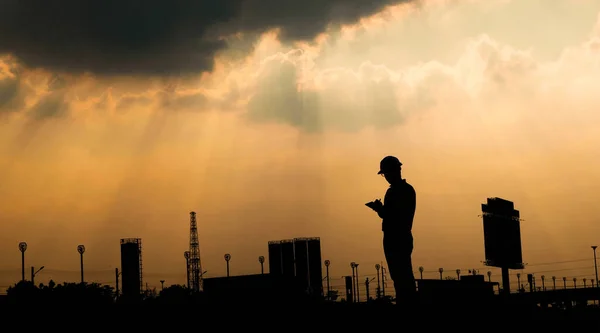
(502, 236)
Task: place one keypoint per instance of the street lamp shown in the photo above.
(554, 283)
(34, 273)
(81, 250)
(565, 282)
(575, 283)
(458, 273)
(489, 274)
(186, 255)
(519, 281)
(584, 282)
(441, 270)
(162, 285)
(353, 266)
(594, 247)
(22, 248)
(543, 283)
(377, 268)
(357, 285)
(227, 257)
(383, 278)
(327, 263)
(421, 270)
(261, 260)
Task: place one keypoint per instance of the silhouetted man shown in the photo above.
(397, 212)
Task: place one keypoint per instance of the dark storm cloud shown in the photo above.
(152, 36)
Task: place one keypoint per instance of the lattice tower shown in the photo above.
(195, 268)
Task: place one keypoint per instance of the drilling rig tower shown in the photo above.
(195, 267)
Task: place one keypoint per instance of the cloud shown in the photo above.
(13, 89)
(298, 88)
(335, 98)
(324, 85)
(156, 37)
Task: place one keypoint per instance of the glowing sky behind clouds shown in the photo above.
(477, 98)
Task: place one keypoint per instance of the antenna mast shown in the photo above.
(195, 267)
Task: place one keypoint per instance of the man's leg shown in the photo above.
(404, 284)
(398, 251)
(390, 248)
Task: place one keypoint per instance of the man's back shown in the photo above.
(399, 207)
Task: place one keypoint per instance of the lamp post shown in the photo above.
(33, 273)
(162, 285)
(377, 268)
(327, 263)
(565, 282)
(594, 247)
(353, 266)
(554, 283)
(227, 257)
(543, 283)
(261, 260)
(22, 248)
(584, 282)
(489, 274)
(357, 285)
(519, 282)
(421, 270)
(441, 270)
(81, 250)
(186, 255)
(382, 281)
(458, 273)
(574, 283)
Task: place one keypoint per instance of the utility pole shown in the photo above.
(353, 266)
(383, 281)
(116, 283)
(378, 293)
(594, 247)
(367, 288)
(327, 263)
(357, 286)
(33, 273)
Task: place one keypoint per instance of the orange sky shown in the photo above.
(477, 98)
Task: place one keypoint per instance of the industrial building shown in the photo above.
(131, 268)
(298, 260)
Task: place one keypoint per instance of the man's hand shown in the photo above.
(375, 205)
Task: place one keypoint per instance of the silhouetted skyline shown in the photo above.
(276, 135)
